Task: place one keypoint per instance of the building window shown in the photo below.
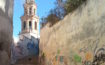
(24, 24)
(30, 10)
(30, 25)
(35, 25)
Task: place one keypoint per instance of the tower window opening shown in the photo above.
(30, 10)
(35, 25)
(24, 25)
(26, 1)
(26, 11)
(30, 25)
(34, 11)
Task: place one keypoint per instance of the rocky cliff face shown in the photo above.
(79, 39)
(6, 13)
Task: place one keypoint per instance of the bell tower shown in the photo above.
(30, 21)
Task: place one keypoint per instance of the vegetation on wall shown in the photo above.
(71, 5)
(63, 7)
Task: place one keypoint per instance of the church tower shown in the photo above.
(30, 21)
(26, 49)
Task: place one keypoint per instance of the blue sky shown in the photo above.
(43, 8)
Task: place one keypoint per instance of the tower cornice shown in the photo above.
(29, 1)
(30, 4)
